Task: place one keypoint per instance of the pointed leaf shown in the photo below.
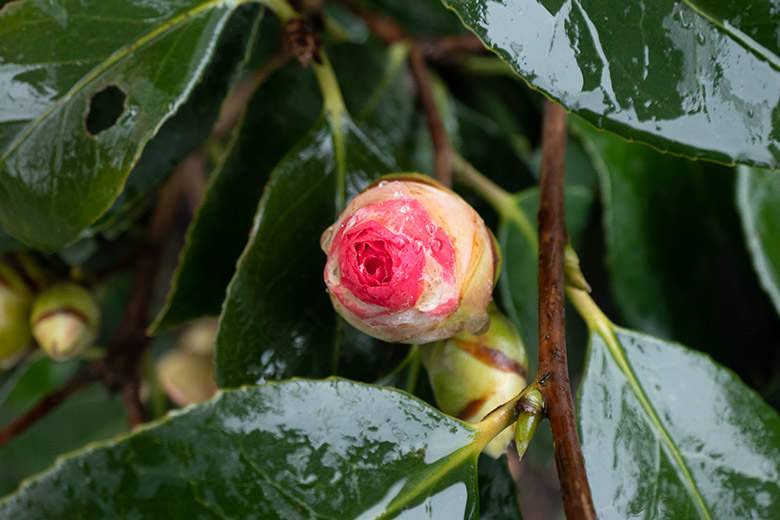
(673, 238)
(277, 320)
(78, 112)
(192, 122)
(668, 433)
(696, 78)
(298, 449)
(278, 116)
(758, 199)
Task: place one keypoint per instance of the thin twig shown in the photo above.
(442, 148)
(553, 374)
(446, 50)
(47, 405)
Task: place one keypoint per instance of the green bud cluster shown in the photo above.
(63, 318)
(473, 374)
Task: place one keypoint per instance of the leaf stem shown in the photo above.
(281, 9)
(505, 415)
(553, 373)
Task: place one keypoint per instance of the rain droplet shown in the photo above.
(430, 228)
(436, 245)
(382, 184)
(404, 209)
(398, 195)
(418, 245)
(700, 38)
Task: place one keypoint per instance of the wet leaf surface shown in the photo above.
(758, 200)
(700, 79)
(668, 433)
(151, 54)
(298, 449)
(673, 240)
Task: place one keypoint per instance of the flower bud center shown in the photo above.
(375, 261)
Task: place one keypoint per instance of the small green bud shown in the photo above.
(65, 320)
(14, 324)
(530, 415)
(19, 275)
(473, 374)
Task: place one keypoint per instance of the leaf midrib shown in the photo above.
(167, 25)
(743, 39)
(607, 333)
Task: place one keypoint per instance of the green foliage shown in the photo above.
(664, 428)
(101, 100)
(697, 80)
(300, 449)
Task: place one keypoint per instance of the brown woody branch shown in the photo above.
(442, 148)
(45, 406)
(553, 375)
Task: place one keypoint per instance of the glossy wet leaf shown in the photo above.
(277, 117)
(277, 320)
(518, 280)
(668, 433)
(298, 449)
(192, 122)
(120, 69)
(758, 199)
(695, 78)
(673, 240)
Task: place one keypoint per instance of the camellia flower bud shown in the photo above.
(20, 278)
(65, 320)
(187, 372)
(473, 374)
(410, 261)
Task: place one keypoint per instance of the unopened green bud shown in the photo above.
(20, 277)
(530, 414)
(65, 320)
(473, 374)
(14, 324)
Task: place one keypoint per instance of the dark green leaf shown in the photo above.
(32, 380)
(426, 17)
(190, 125)
(9, 243)
(758, 199)
(299, 449)
(281, 112)
(89, 415)
(497, 491)
(673, 239)
(120, 69)
(277, 320)
(703, 82)
(518, 280)
(668, 433)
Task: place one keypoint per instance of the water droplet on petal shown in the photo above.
(398, 195)
(418, 245)
(430, 228)
(382, 184)
(436, 245)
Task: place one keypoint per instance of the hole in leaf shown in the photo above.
(105, 107)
